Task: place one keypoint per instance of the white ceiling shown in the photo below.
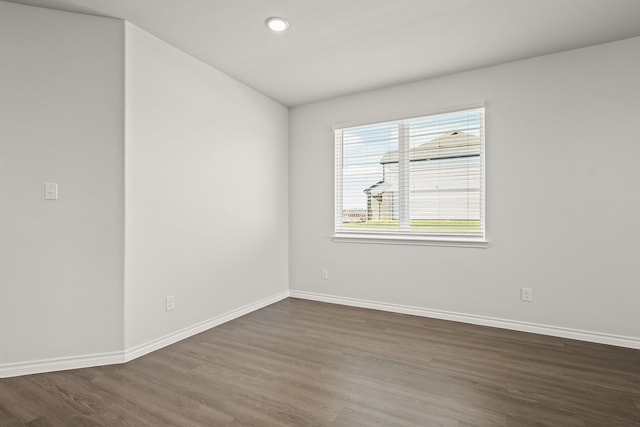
(337, 47)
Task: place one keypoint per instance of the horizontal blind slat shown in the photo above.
(444, 176)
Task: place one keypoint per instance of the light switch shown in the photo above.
(51, 191)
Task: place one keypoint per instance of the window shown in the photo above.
(418, 179)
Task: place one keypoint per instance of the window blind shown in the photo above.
(417, 177)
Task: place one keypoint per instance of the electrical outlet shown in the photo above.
(324, 274)
(51, 191)
(170, 303)
(526, 294)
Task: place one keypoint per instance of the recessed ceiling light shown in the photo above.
(277, 24)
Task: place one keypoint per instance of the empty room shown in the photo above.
(319, 213)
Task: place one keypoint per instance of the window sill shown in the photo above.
(410, 240)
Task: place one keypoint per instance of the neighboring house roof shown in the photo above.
(451, 144)
(379, 188)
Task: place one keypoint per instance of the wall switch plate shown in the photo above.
(170, 303)
(526, 294)
(51, 191)
(324, 274)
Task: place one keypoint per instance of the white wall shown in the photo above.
(201, 165)
(206, 191)
(61, 120)
(562, 196)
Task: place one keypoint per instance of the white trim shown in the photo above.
(403, 234)
(555, 331)
(409, 240)
(60, 364)
(338, 174)
(158, 343)
(483, 175)
(102, 359)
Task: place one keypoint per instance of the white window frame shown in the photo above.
(406, 237)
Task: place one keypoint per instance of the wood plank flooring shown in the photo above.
(305, 363)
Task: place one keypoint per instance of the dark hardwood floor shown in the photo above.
(305, 363)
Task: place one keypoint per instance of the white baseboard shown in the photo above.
(60, 364)
(87, 361)
(576, 334)
(174, 337)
